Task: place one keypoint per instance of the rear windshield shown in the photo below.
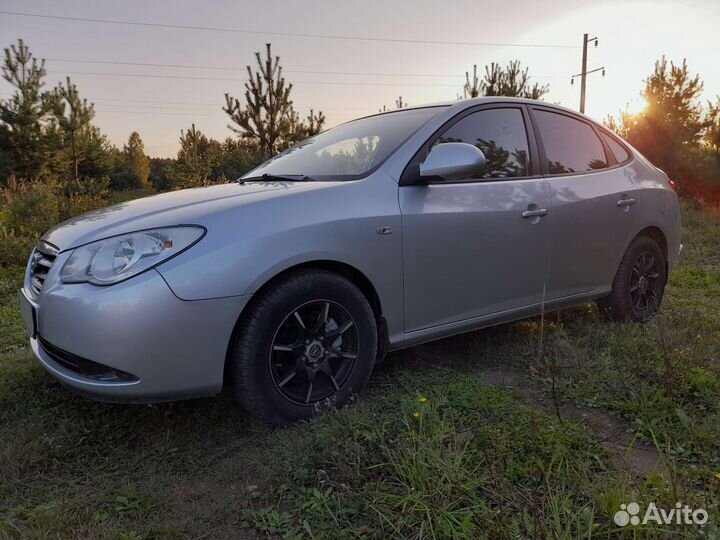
(348, 151)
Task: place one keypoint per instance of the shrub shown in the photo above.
(14, 248)
(30, 207)
(80, 197)
(124, 178)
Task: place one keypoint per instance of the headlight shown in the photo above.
(118, 258)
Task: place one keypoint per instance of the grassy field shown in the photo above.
(486, 435)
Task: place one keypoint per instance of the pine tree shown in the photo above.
(712, 135)
(511, 81)
(618, 126)
(194, 164)
(73, 116)
(400, 104)
(267, 116)
(21, 116)
(472, 89)
(314, 123)
(135, 159)
(302, 129)
(670, 129)
(96, 153)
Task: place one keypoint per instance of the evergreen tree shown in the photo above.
(669, 131)
(135, 159)
(472, 89)
(302, 129)
(619, 126)
(22, 140)
(195, 158)
(712, 135)
(267, 115)
(73, 116)
(511, 81)
(96, 153)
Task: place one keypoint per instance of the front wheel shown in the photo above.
(639, 284)
(308, 342)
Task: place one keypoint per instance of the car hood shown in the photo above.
(183, 207)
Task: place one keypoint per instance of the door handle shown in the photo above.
(626, 202)
(540, 212)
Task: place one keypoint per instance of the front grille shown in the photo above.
(41, 261)
(83, 366)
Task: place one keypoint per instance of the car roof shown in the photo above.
(461, 104)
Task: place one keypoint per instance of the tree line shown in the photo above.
(49, 133)
(675, 131)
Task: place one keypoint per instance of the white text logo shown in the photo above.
(629, 514)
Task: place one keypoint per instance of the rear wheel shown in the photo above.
(307, 343)
(639, 284)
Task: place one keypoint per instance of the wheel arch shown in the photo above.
(351, 273)
(656, 234)
(660, 239)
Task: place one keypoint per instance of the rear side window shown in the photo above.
(500, 134)
(618, 150)
(571, 146)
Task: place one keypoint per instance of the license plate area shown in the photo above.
(28, 313)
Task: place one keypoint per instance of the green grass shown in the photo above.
(430, 450)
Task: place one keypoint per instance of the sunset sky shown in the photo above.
(632, 36)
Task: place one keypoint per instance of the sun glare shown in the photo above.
(637, 105)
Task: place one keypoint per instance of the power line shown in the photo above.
(155, 113)
(221, 68)
(186, 77)
(286, 34)
(193, 103)
(312, 72)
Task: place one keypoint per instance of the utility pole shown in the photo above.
(584, 72)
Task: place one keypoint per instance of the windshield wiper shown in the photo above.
(277, 177)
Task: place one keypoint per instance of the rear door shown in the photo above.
(470, 248)
(594, 202)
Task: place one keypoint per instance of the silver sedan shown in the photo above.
(291, 283)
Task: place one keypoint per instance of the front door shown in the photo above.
(479, 246)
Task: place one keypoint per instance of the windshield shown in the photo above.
(348, 151)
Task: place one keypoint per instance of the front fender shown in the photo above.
(247, 246)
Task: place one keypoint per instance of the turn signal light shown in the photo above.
(673, 185)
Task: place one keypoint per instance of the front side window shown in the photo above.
(571, 146)
(500, 134)
(347, 151)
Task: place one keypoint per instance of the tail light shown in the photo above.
(673, 185)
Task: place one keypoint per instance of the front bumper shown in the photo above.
(173, 348)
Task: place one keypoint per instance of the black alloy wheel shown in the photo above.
(313, 351)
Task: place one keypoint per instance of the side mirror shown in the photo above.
(453, 161)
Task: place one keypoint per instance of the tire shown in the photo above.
(639, 284)
(292, 356)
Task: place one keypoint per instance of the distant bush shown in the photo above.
(15, 248)
(31, 208)
(124, 178)
(79, 197)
